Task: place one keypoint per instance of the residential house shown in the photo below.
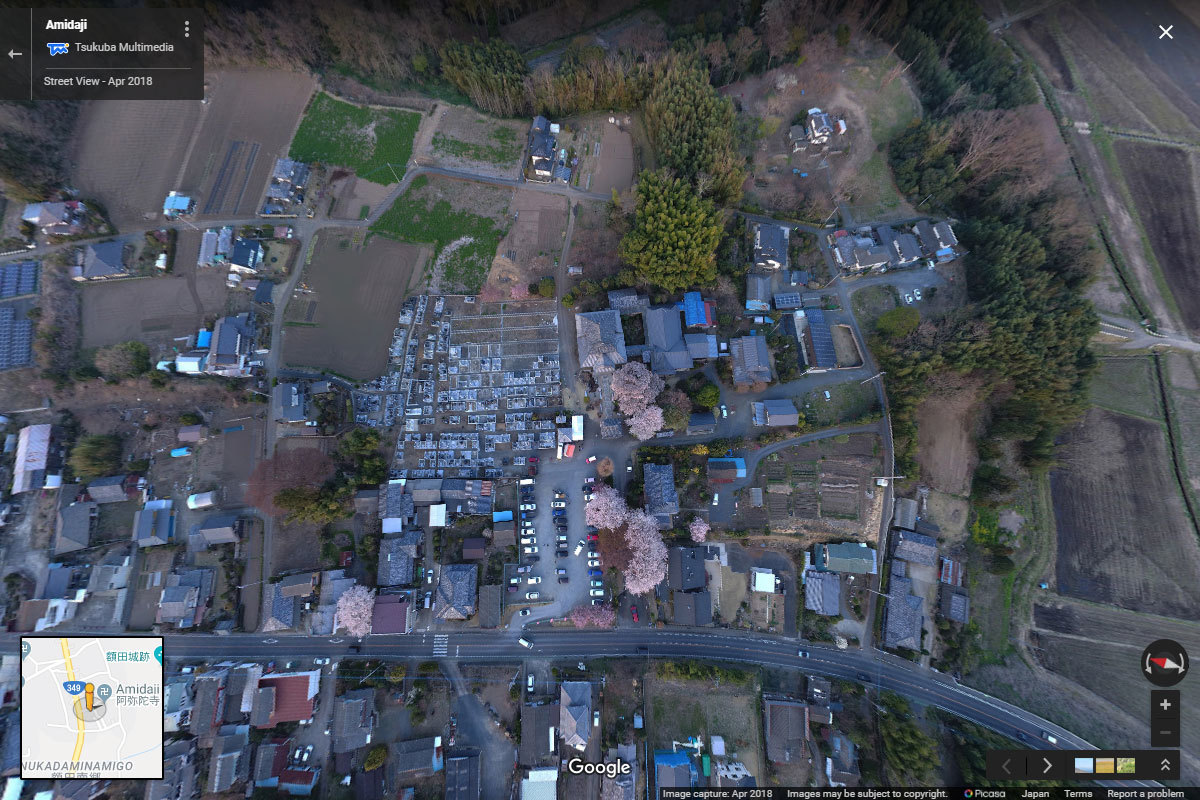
(903, 620)
(61, 582)
(464, 496)
(541, 784)
(751, 360)
(241, 689)
(397, 551)
(463, 776)
(575, 713)
(287, 600)
(691, 608)
(154, 523)
(353, 720)
(915, 547)
(208, 704)
(185, 598)
(662, 499)
(490, 598)
(666, 352)
(456, 592)
(852, 557)
(285, 697)
(179, 773)
(176, 205)
(798, 136)
(33, 458)
(905, 250)
(55, 219)
(418, 758)
(841, 766)
(822, 592)
(904, 513)
(232, 341)
(270, 762)
(701, 345)
(816, 338)
(819, 126)
(685, 568)
(758, 292)
(733, 773)
(875, 257)
(541, 151)
(539, 740)
(288, 401)
(781, 412)
(192, 434)
(229, 761)
(74, 523)
(299, 781)
(600, 340)
(785, 722)
(954, 603)
(10, 745)
(392, 613)
(726, 470)
(819, 691)
(628, 301)
(177, 703)
(108, 490)
(674, 770)
(701, 423)
(788, 301)
(938, 240)
(220, 529)
(396, 507)
(952, 571)
(698, 312)
(246, 257)
(111, 574)
(99, 261)
(770, 246)
(474, 548)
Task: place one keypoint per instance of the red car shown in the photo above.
(533, 459)
(634, 610)
(593, 537)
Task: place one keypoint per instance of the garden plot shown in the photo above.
(375, 143)
(466, 140)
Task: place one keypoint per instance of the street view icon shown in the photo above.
(1164, 662)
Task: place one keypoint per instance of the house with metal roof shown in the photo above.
(600, 340)
(108, 490)
(691, 608)
(770, 246)
(875, 257)
(179, 773)
(463, 775)
(154, 524)
(701, 345)
(99, 261)
(685, 568)
(418, 758)
(232, 340)
(698, 312)
(841, 765)
(726, 470)
(73, 525)
(289, 401)
(229, 760)
(32, 458)
(938, 239)
(455, 597)
(539, 739)
(816, 337)
(665, 352)
(822, 592)
(185, 597)
(392, 613)
(853, 557)
(758, 292)
(285, 697)
(751, 360)
(905, 250)
(218, 529)
(785, 723)
(397, 552)
(540, 784)
(674, 770)
(662, 499)
(780, 412)
(700, 423)
(247, 256)
(575, 713)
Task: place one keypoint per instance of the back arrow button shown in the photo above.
(12, 54)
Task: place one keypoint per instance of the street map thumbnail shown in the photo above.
(91, 707)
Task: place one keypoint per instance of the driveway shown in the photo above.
(477, 730)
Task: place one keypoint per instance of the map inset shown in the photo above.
(91, 707)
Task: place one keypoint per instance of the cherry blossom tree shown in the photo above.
(634, 387)
(647, 422)
(648, 565)
(606, 509)
(699, 529)
(590, 616)
(354, 610)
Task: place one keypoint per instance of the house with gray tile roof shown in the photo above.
(220, 529)
(108, 490)
(455, 597)
(353, 720)
(903, 621)
(662, 498)
(208, 706)
(185, 596)
(100, 260)
(822, 592)
(575, 713)
(600, 340)
(751, 360)
(915, 547)
(539, 740)
(954, 603)
(397, 551)
(666, 351)
(229, 761)
(179, 773)
(627, 301)
(73, 526)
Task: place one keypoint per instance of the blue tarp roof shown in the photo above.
(738, 463)
(203, 338)
(176, 204)
(822, 338)
(502, 516)
(693, 309)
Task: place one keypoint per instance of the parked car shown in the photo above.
(591, 459)
(593, 562)
(560, 512)
(598, 602)
(724, 411)
(531, 550)
(561, 553)
(560, 539)
(521, 570)
(560, 571)
(908, 298)
(529, 506)
(529, 683)
(563, 579)
(579, 548)
(716, 499)
(917, 293)
(528, 540)
(534, 579)
(595, 722)
(320, 661)
(533, 459)
(595, 573)
(593, 553)
(633, 611)
(596, 593)
(587, 497)
(532, 595)
(590, 479)
(525, 643)
(803, 654)
(592, 537)
(514, 581)
(597, 584)
(559, 494)
(559, 504)
(533, 559)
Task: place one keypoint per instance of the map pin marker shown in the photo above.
(158, 654)
(25, 648)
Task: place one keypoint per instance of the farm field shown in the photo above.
(463, 221)
(945, 442)
(345, 324)
(467, 140)
(1127, 385)
(1182, 375)
(1124, 537)
(529, 250)
(871, 302)
(375, 143)
(245, 126)
(847, 402)
(1095, 646)
(151, 310)
(605, 151)
(1162, 181)
(681, 708)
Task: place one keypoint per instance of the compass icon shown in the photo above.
(1164, 662)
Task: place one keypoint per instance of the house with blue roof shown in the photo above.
(176, 204)
(674, 771)
(698, 312)
(726, 470)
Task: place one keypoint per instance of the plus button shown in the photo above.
(1165, 704)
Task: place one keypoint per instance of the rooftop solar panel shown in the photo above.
(822, 339)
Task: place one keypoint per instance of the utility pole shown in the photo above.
(879, 374)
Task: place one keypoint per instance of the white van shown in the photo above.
(525, 643)
(527, 481)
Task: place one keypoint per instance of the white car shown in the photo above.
(579, 548)
(529, 506)
(320, 662)
(591, 459)
(596, 719)
(593, 562)
(917, 293)
(597, 584)
(559, 504)
(531, 550)
(529, 683)
(534, 579)
(532, 595)
(716, 499)
(724, 411)
(589, 479)
(528, 540)
(597, 593)
(587, 497)
(908, 299)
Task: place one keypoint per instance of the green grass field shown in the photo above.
(1127, 385)
(413, 219)
(503, 147)
(366, 140)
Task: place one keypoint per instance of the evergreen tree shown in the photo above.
(673, 242)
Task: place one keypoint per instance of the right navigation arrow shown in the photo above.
(1049, 765)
